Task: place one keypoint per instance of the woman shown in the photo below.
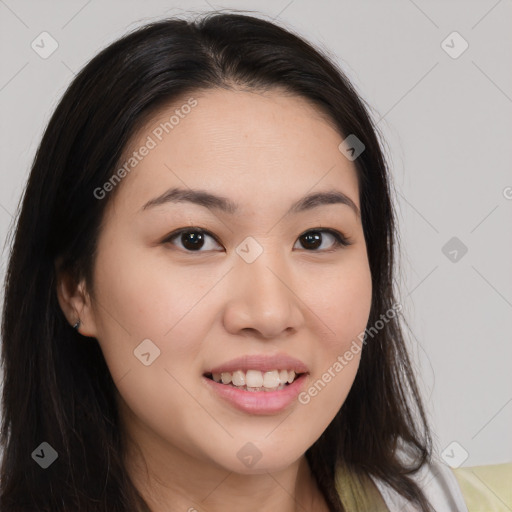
(199, 310)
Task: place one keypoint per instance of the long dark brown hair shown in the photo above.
(57, 386)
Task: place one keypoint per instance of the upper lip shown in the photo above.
(261, 362)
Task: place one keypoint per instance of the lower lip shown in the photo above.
(258, 402)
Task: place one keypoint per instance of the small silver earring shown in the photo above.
(77, 325)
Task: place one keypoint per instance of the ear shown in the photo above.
(75, 302)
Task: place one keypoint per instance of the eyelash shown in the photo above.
(340, 240)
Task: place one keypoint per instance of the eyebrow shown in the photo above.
(209, 200)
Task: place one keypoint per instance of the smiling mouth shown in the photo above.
(255, 380)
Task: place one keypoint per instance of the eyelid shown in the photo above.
(341, 240)
(188, 229)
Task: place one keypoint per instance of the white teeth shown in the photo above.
(239, 378)
(226, 378)
(271, 379)
(254, 380)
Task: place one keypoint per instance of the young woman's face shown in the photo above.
(256, 285)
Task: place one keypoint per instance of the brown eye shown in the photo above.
(313, 239)
(192, 240)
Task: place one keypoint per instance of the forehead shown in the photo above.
(248, 145)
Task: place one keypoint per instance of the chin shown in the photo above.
(258, 458)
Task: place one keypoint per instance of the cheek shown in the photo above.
(153, 302)
(343, 302)
(138, 301)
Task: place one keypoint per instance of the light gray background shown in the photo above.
(448, 127)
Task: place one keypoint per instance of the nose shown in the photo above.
(265, 301)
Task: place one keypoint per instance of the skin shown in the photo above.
(263, 151)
